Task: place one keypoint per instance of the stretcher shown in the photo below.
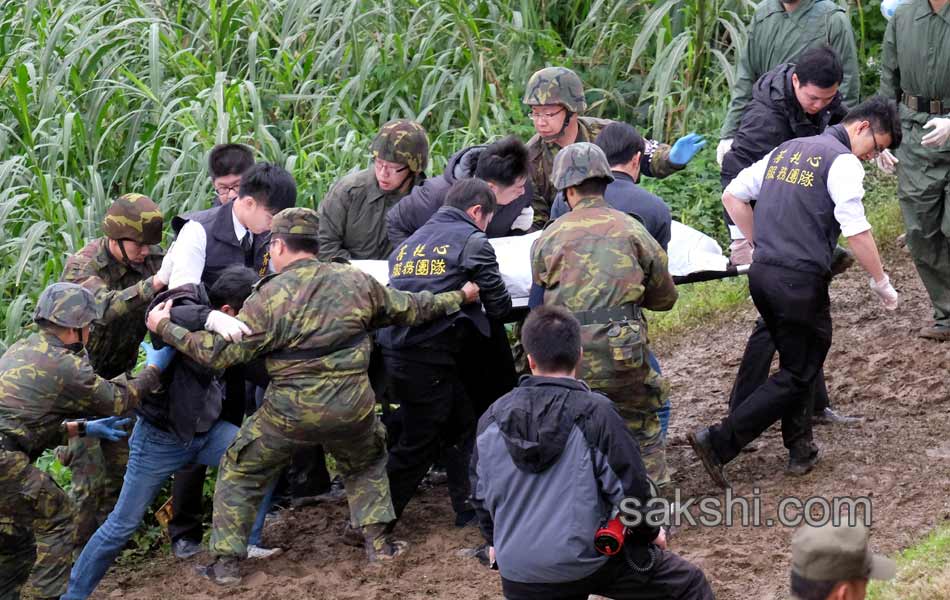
(693, 257)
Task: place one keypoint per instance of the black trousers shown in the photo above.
(435, 414)
(796, 310)
(671, 577)
(755, 367)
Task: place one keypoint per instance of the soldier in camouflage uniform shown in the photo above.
(43, 379)
(310, 322)
(121, 269)
(555, 96)
(602, 265)
(353, 213)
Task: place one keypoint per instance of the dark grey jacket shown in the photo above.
(551, 460)
(412, 211)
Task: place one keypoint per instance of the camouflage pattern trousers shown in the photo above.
(637, 397)
(97, 467)
(334, 412)
(37, 536)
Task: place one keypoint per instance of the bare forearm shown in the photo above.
(741, 213)
(865, 251)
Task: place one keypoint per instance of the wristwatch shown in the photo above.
(74, 428)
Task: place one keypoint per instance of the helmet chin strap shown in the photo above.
(125, 257)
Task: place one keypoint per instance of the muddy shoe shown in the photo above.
(830, 417)
(351, 536)
(940, 333)
(702, 446)
(841, 260)
(223, 571)
(256, 552)
(798, 466)
(379, 546)
(184, 548)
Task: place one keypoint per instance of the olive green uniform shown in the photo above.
(916, 61)
(777, 36)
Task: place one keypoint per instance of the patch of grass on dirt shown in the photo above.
(884, 213)
(923, 571)
(698, 304)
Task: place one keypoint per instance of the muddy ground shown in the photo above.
(899, 458)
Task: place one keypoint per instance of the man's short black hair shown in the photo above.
(471, 192)
(820, 67)
(595, 186)
(882, 113)
(503, 162)
(807, 589)
(300, 243)
(232, 287)
(551, 335)
(270, 185)
(620, 142)
(229, 159)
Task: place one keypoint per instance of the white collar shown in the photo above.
(239, 229)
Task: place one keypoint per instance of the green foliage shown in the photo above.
(922, 570)
(869, 25)
(61, 475)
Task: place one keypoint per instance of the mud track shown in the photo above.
(899, 457)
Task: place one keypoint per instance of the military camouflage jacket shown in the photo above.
(353, 218)
(312, 305)
(655, 162)
(124, 293)
(43, 382)
(596, 257)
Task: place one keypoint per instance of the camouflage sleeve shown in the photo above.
(656, 162)
(332, 211)
(115, 303)
(395, 307)
(215, 352)
(87, 393)
(541, 208)
(659, 291)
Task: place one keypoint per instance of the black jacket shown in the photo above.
(189, 393)
(773, 117)
(412, 211)
(551, 460)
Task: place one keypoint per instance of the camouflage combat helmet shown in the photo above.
(299, 222)
(134, 217)
(556, 85)
(402, 141)
(577, 163)
(67, 305)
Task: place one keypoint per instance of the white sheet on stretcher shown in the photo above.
(691, 251)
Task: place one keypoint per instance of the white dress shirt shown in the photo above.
(188, 261)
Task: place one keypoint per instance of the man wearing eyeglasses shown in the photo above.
(353, 213)
(808, 191)
(555, 100)
(226, 164)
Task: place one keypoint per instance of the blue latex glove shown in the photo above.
(686, 148)
(889, 6)
(107, 429)
(159, 358)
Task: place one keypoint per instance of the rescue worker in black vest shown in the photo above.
(424, 363)
(808, 192)
(209, 241)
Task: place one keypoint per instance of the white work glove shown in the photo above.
(168, 265)
(721, 150)
(524, 220)
(940, 133)
(887, 162)
(886, 292)
(226, 326)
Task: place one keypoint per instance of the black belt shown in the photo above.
(925, 105)
(601, 316)
(314, 353)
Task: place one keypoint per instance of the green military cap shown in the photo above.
(837, 553)
(577, 163)
(297, 221)
(134, 217)
(67, 305)
(402, 141)
(556, 85)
